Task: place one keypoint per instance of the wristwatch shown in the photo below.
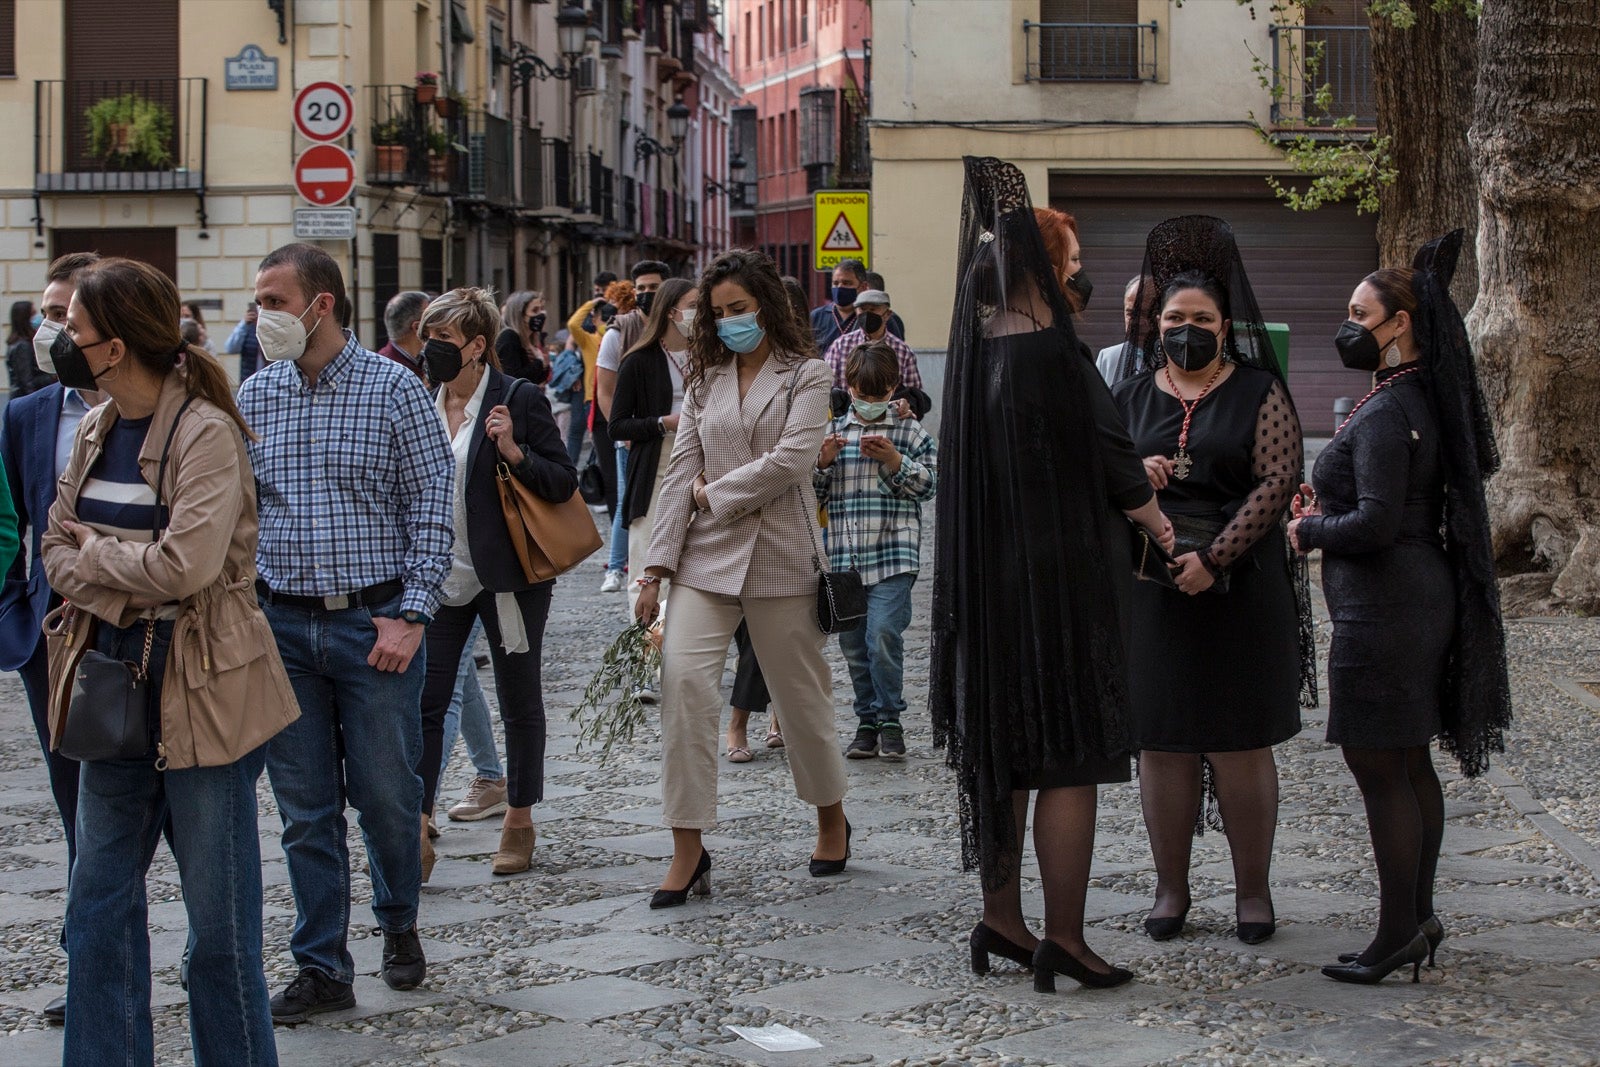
(414, 616)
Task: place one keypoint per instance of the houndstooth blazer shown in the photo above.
(759, 537)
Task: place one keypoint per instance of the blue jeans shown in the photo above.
(122, 806)
(575, 432)
(619, 529)
(467, 717)
(875, 653)
(358, 738)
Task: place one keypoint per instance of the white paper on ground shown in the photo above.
(775, 1038)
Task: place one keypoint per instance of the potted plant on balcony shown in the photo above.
(389, 148)
(450, 104)
(130, 132)
(427, 87)
(439, 156)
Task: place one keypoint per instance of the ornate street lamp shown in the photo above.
(677, 128)
(572, 22)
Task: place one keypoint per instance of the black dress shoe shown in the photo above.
(1371, 974)
(311, 993)
(1431, 928)
(1050, 959)
(824, 868)
(699, 881)
(55, 1012)
(1255, 933)
(985, 941)
(1166, 927)
(403, 963)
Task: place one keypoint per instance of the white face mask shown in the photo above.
(43, 338)
(283, 335)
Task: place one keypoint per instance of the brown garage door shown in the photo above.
(156, 245)
(1302, 265)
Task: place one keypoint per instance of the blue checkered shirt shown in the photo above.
(874, 517)
(355, 478)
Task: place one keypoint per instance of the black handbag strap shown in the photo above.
(161, 471)
(799, 494)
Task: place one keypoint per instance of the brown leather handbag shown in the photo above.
(549, 539)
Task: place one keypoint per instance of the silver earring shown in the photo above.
(1392, 357)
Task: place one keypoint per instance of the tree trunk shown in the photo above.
(1423, 77)
(1536, 323)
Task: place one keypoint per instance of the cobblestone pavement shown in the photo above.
(566, 965)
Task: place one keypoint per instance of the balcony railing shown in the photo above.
(412, 144)
(558, 158)
(1090, 51)
(489, 174)
(534, 193)
(1306, 58)
(630, 203)
(119, 135)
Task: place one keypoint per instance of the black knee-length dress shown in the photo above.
(1389, 585)
(1220, 671)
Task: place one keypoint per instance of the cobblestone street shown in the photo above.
(566, 965)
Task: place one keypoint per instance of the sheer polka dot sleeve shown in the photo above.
(1276, 464)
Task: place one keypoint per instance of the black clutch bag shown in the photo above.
(1152, 563)
(591, 483)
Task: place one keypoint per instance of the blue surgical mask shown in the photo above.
(741, 332)
(35, 322)
(870, 410)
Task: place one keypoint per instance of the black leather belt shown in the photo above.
(381, 593)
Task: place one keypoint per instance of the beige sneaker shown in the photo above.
(485, 797)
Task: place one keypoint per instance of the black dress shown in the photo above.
(1013, 402)
(1389, 585)
(1220, 671)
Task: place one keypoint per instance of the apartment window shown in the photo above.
(761, 41)
(772, 29)
(385, 281)
(805, 14)
(8, 38)
(747, 36)
(1089, 40)
(794, 138)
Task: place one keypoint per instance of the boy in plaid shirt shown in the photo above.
(873, 475)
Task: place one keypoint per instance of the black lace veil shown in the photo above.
(1205, 244)
(1028, 672)
(1476, 702)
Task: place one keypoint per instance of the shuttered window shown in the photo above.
(1337, 12)
(157, 246)
(104, 43)
(8, 38)
(1102, 11)
(385, 282)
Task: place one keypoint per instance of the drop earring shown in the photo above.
(1392, 357)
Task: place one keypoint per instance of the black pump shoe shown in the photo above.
(1413, 953)
(824, 868)
(1255, 933)
(1166, 927)
(1431, 928)
(699, 881)
(984, 941)
(1050, 959)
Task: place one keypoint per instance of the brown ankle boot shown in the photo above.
(428, 856)
(516, 850)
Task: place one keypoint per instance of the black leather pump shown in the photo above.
(699, 882)
(984, 942)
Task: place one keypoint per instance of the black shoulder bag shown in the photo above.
(841, 595)
(108, 716)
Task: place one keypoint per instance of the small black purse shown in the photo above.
(1151, 562)
(841, 595)
(591, 483)
(108, 712)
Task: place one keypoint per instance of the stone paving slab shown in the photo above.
(842, 1043)
(328, 1045)
(375, 998)
(31, 1048)
(368, 953)
(552, 1045)
(589, 999)
(1361, 1042)
(1313, 991)
(602, 953)
(658, 845)
(1548, 943)
(43, 878)
(1510, 904)
(839, 998)
(839, 951)
(1097, 1043)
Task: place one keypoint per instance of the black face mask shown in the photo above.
(1189, 346)
(72, 366)
(1080, 284)
(443, 359)
(644, 300)
(536, 322)
(870, 321)
(1358, 346)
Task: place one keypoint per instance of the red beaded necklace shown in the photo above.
(1381, 385)
(1182, 463)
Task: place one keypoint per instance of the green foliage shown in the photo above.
(628, 666)
(389, 132)
(130, 132)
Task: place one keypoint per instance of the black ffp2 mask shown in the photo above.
(1189, 346)
(72, 366)
(443, 359)
(1080, 284)
(1358, 346)
(870, 322)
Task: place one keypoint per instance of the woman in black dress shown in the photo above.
(1216, 658)
(1418, 647)
(1032, 564)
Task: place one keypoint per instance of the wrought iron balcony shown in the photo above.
(1090, 51)
(120, 135)
(1307, 59)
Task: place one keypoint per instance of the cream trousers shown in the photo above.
(784, 632)
(639, 531)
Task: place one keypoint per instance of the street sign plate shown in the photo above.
(324, 175)
(323, 111)
(841, 221)
(325, 223)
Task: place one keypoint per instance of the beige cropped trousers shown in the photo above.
(783, 631)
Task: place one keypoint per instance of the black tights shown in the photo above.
(1405, 815)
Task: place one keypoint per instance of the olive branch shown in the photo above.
(628, 666)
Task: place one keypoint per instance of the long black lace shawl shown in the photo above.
(1476, 693)
(1017, 690)
(1206, 244)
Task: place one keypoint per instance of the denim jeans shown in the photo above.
(575, 432)
(467, 717)
(358, 739)
(63, 772)
(875, 653)
(619, 529)
(122, 806)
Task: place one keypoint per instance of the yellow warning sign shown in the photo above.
(841, 223)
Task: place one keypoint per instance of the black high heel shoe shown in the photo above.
(1431, 928)
(1050, 959)
(699, 881)
(985, 941)
(1166, 927)
(823, 868)
(1413, 953)
(1255, 933)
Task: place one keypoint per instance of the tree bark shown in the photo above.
(1424, 78)
(1536, 323)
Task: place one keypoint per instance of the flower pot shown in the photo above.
(438, 169)
(446, 107)
(391, 159)
(427, 93)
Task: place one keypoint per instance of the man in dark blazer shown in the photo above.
(35, 443)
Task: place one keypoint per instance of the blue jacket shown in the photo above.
(28, 449)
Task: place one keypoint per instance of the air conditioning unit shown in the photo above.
(477, 172)
(588, 75)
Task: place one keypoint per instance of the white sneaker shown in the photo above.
(646, 694)
(612, 582)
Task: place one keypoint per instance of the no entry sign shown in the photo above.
(324, 174)
(323, 111)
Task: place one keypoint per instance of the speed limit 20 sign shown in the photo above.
(323, 111)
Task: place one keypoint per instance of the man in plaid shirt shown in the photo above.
(354, 475)
(872, 326)
(873, 475)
